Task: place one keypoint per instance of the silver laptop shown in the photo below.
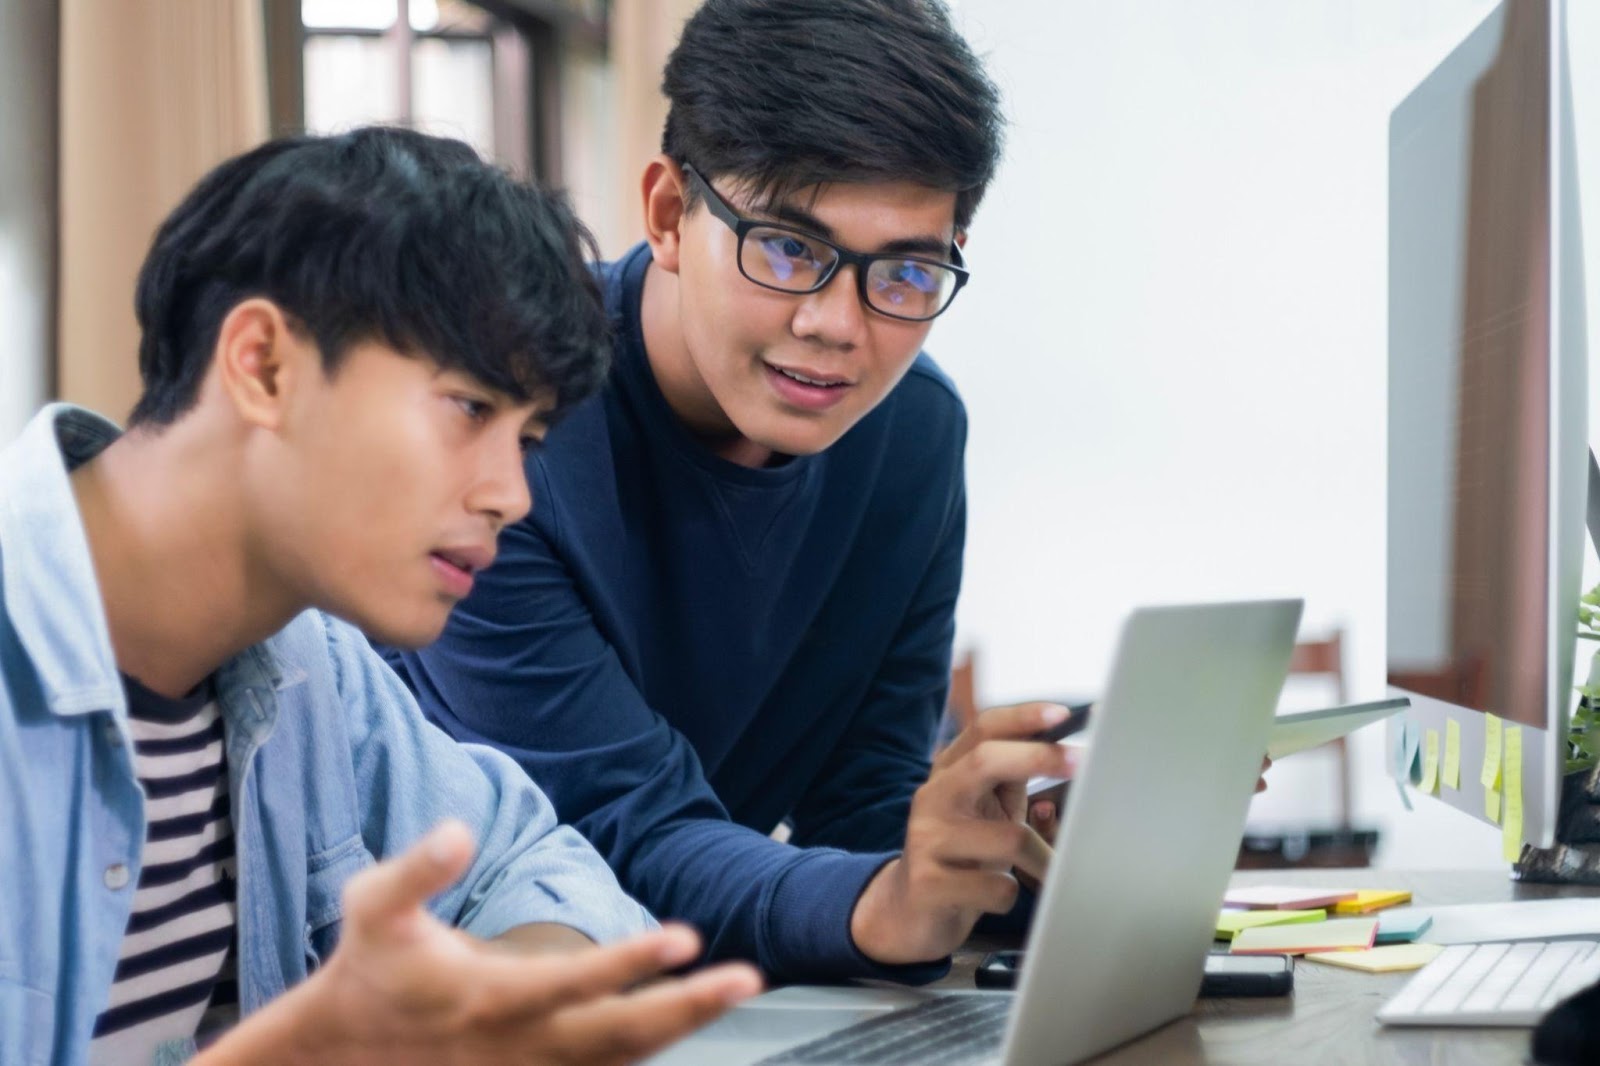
(1120, 936)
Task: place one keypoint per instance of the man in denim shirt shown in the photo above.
(347, 344)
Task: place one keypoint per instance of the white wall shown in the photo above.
(1174, 346)
(28, 45)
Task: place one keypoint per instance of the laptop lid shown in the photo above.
(1152, 828)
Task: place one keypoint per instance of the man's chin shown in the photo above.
(417, 632)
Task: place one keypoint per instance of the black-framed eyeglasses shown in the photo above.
(793, 260)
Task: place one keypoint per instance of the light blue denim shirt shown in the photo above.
(331, 766)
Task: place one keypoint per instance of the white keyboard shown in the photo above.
(1494, 984)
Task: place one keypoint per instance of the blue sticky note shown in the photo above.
(1401, 927)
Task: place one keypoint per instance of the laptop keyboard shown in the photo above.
(943, 1031)
(1494, 984)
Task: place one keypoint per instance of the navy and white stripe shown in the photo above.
(174, 976)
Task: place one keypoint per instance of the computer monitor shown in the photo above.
(1488, 447)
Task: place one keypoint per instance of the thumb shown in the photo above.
(394, 890)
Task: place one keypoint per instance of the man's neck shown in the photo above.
(680, 382)
(167, 531)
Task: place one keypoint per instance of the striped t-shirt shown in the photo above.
(174, 976)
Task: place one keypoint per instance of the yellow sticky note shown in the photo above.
(1452, 753)
(1388, 959)
(1232, 923)
(1369, 900)
(1511, 830)
(1335, 934)
(1430, 764)
(1490, 776)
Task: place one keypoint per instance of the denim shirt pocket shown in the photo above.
(27, 1024)
(327, 872)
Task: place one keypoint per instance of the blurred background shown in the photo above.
(1173, 348)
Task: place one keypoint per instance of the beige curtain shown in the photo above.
(153, 94)
(643, 32)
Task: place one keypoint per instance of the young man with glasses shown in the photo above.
(217, 801)
(732, 606)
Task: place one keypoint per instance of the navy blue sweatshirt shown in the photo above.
(684, 652)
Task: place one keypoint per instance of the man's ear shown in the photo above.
(259, 360)
(663, 188)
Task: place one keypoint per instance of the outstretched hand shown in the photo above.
(403, 987)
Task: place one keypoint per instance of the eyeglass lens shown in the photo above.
(786, 260)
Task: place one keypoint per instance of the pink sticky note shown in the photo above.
(1285, 897)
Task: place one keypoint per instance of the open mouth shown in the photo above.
(805, 391)
(820, 383)
(455, 567)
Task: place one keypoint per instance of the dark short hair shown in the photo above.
(786, 94)
(379, 234)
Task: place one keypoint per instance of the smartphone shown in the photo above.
(1226, 975)
(1076, 722)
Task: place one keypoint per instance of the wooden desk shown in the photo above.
(1329, 1018)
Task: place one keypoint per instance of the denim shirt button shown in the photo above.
(116, 876)
(113, 735)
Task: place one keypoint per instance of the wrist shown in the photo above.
(283, 1031)
(878, 923)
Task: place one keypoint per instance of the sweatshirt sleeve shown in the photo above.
(522, 667)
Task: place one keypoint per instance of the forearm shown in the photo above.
(542, 938)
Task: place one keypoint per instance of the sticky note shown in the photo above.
(1390, 959)
(1430, 764)
(1335, 934)
(1511, 829)
(1490, 776)
(1401, 927)
(1231, 923)
(1401, 756)
(1452, 753)
(1285, 897)
(1369, 900)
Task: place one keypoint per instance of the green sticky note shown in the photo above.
(1452, 753)
(1231, 923)
(1430, 764)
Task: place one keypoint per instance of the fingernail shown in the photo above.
(1053, 714)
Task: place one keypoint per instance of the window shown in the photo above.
(445, 66)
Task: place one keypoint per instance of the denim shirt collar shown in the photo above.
(46, 573)
(48, 586)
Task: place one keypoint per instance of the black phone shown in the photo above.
(1226, 975)
(1076, 722)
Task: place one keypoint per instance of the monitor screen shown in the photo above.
(1469, 488)
(1488, 451)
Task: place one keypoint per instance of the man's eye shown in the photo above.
(788, 247)
(530, 445)
(476, 410)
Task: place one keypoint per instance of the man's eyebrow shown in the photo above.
(929, 245)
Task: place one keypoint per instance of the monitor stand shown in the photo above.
(1575, 857)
